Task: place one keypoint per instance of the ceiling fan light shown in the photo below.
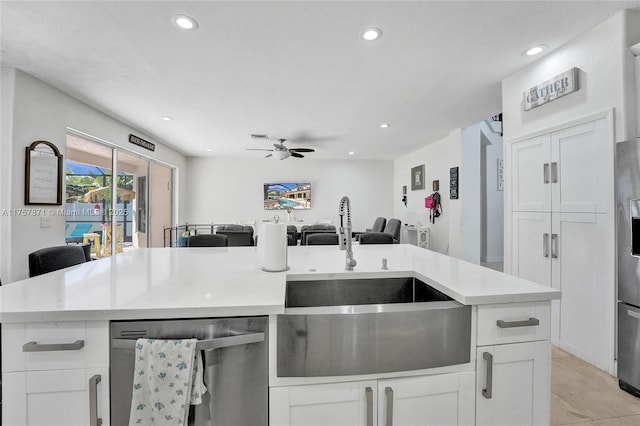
(281, 155)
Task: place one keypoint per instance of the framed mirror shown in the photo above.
(43, 174)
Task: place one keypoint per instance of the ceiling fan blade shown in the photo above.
(257, 149)
(279, 146)
(295, 154)
(302, 149)
(268, 155)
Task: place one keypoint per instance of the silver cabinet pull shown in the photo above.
(554, 172)
(486, 392)
(633, 314)
(369, 395)
(389, 394)
(512, 324)
(94, 420)
(545, 172)
(205, 345)
(545, 245)
(554, 246)
(52, 347)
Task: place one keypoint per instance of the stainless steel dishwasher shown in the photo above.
(235, 360)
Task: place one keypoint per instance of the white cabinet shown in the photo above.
(564, 171)
(445, 399)
(513, 384)
(561, 231)
(513, 364)
(55, 373)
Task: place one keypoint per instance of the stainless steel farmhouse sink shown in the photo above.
(363, 326)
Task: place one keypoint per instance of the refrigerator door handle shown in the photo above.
(554, 246)
(633, 314)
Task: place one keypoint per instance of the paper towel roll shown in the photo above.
(274, 247)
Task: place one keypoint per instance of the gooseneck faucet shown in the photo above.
(345, 237)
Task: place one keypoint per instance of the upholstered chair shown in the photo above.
(53, 258)
(376, 238)
(393, 227)
(324, 239)
(208, 240)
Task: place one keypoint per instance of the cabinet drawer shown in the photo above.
(513, 323)
(55, 345)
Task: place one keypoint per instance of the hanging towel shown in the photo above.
(164, 374)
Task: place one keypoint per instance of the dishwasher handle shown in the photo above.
(204, 345)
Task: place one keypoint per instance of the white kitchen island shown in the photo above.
(77, 304)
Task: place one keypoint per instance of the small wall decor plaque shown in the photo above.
(500, 174)
(43, 174)
(552, 89)
(453, 183)
(417, 177)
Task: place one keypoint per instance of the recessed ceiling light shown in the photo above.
(385, 125)
(534, 50)
(167, 118)
(372, 34)
(352, 153)
(209, 149)
(185, 22)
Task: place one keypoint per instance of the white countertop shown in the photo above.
(207, 282)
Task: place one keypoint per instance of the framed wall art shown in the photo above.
(43, 174)
(417, 177)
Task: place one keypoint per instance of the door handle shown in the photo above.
(554, 172)
(545, 173)
(369, 396)
(554, 246)
(545, 245)
(488, 390)
(389, 394)
(512, 324)
(52, 347)
(633, 314)
(205, 345)
(94, 420)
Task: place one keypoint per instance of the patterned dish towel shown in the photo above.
(167, 379)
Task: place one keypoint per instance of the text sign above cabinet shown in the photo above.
(550, 90)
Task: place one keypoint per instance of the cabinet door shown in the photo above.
(516, 380)
(440, 400)
(581, 168)
(583, 270)
(530, 246)
(333, 404)
(530, 174)
(54, 397)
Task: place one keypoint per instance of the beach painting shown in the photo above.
(283, 196)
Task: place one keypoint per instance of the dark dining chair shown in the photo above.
(51, 259)
(393, 227)
(322, 239)
(208, 240)
(376, 238)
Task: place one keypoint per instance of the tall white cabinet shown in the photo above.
(562, 230)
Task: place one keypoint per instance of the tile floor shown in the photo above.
(583, 395)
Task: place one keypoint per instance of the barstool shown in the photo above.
(93, 239)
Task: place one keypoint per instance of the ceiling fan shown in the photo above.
(281, 152)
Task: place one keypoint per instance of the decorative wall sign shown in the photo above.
(417, 177)
(43, 174)
(141, 142)
(550, 90)
(436, 185)
(500, 174)
(453, 183)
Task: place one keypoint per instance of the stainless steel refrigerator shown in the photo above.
(628, 225)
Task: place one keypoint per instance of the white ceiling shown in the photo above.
(289, 69)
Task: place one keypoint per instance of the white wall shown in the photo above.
(41, 112)
(605, 62)
(437, 158)
(230, 190)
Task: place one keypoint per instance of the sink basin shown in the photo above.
(366, 291)
(363, 326)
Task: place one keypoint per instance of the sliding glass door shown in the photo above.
(141, 187)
